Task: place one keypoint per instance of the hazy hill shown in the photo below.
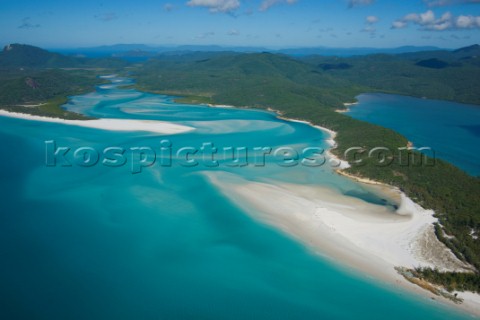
(449, 55)
(26, 56)
(20, 55)
(448, 75)
(347, 52)
(125, 50)
(33, 76)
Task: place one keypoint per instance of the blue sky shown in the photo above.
(266, 23)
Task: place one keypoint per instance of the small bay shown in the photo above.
(450, 129)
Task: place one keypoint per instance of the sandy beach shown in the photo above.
(347, 107)
(353, 234)
(221, 106)
(160, 127)
(383, 246)
(335, 162)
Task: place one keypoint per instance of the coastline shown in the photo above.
(329, 225)
(347, 107)
(418, 242)
(125, 125)
(334, 161)
(219, 106)
(360, 238)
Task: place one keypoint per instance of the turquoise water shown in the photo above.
(451, 129)
(100, 242)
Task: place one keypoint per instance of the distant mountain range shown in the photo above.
(26, 56)
(137, 51)
(346, 52)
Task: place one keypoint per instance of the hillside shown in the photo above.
(254, 79)
(25, 56)
(30, 76)
(30, 57)
(444, 75)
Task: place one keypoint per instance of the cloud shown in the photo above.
(369, 24)
(467, 22)
(428, 21)
(26, 24)
(443, 3)
(399, 24)
(224, 6)
(371, 19)
(106, 17)
(205, 35)
(359, 3)
(267, 4)
(233, 33)
(369, 29)
(168, 7)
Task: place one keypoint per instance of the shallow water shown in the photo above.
(100, 242)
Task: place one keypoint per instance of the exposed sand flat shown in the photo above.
(31, 105)
(221, 106)
(109, 124)
(389, 236)
(109, 76)
(354, 234)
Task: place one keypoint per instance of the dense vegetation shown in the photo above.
(441, 75)
(451, 281)
(310, 89)
(17, 56)
(27, 79)
(42, 92)
(314, 88)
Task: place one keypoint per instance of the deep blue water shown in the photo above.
(102, 243)
(451, 129)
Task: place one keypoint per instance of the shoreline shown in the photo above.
(347, 107)
(372, 266)
(221, 106)
(125, 125)
(370, 245)
(471, 304)
(334, 161)
(363, 239)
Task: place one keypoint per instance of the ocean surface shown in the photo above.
(451, 129)
(80, 240)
